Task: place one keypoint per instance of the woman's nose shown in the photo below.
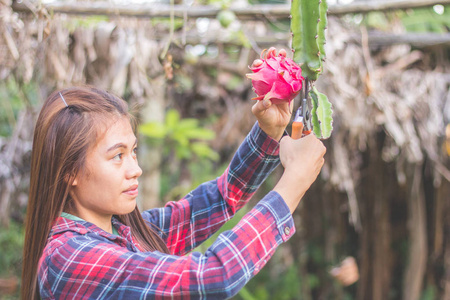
(134, 170)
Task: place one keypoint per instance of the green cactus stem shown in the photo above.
(321, 114)
(321, 26)
(308, 25)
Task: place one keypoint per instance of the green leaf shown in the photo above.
(183, 153)
(203, 150)
(426, 20)
(153, 130)
(200, 134)
(188, 123)
(181, 139)
(181, 136)
(172, 119)
(322, 114)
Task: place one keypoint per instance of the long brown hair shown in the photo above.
(63, 135)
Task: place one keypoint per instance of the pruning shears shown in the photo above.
(301, 125)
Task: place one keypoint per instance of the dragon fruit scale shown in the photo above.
(275, 77)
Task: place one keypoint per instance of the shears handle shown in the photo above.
(302, 118)
(297, 130)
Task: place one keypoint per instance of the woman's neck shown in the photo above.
(102, 221)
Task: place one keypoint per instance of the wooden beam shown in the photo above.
(418, 40)
(251, 12)
(371, 5)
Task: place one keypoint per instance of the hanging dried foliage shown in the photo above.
(391, 109)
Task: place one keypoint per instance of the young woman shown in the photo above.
(86, 239)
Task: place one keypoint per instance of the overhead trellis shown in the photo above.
(252, 12)
(269, 13)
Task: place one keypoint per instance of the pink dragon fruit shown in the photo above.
(276, 78)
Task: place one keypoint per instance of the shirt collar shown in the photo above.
(82, 227)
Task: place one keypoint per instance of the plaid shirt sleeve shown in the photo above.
(187, 223)
(87, 266)
(79, 263)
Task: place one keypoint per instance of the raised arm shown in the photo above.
(307, 152)
(110, 271)
(190, 221)
(92, 266)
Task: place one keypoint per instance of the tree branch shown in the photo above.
(418, 40)
(253, 12)
(414, 39)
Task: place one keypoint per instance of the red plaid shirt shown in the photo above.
(81, 261)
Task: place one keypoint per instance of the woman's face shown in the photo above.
(110, 183)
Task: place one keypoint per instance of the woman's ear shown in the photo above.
(68, 179)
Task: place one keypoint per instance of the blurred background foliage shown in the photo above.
(433, 19)
(14, 97)
(391, 110)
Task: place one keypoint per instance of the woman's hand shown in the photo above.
(273, 118)
(302, 160)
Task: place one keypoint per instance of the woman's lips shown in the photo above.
(132, 191)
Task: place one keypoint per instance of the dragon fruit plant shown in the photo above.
(279, 78)
(308, 24)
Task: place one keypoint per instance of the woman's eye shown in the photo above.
(135, 151)
(118, 157)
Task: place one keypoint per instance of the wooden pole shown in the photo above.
(418, 40)
(251, 12)
(414, 39)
